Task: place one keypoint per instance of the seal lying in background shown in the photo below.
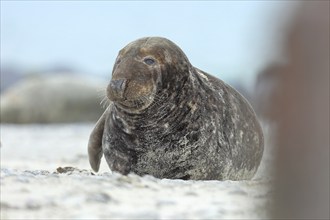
(171, 120)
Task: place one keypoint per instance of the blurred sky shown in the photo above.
(230, 39)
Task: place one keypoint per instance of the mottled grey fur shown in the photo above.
(195, 126)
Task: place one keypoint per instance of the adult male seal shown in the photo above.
(171, 120)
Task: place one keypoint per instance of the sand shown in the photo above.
(45, 175)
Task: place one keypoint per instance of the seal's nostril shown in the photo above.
(118, 84)
(117, 88)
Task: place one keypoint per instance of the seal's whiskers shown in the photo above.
(105, 102)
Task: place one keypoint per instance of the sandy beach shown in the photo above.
(45, 174)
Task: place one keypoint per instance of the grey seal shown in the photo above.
(171, 120)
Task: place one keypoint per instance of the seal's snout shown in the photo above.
(118, 85)
(117, 88)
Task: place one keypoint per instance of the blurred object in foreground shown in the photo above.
(300, 107)
(52, 99)
(266, 90)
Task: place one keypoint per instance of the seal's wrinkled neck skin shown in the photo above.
(140, 70)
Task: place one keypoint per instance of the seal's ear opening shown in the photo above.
(95, 143)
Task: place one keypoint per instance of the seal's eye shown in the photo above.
(149, 61)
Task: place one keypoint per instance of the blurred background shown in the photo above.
(68, 48)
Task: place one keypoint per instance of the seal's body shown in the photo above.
(171, 120)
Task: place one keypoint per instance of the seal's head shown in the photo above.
(142, 69)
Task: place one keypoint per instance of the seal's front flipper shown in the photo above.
(95, 143)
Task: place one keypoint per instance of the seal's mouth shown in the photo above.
(134, 105)
(129, 94)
